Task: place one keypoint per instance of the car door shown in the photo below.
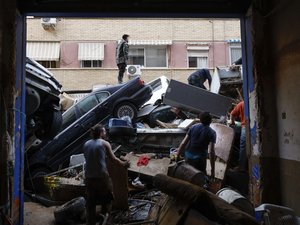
(76, 133)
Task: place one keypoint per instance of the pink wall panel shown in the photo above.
(109, 55)
(178, 55)
(69, 55)
(218, 54)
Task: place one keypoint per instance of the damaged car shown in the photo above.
(43, 115)
(115, 101)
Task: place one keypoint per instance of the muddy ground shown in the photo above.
(36, 214)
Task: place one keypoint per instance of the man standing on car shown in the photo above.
(199, 77)
(199, 137)
(98, 183)
(122, 56)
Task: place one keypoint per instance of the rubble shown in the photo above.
(154, 166)
(209, 205)
(187, 196)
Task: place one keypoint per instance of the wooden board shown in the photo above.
(119, 177)
(225, 137)
(155, 166)
(220, 168)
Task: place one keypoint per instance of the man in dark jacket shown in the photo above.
(199, 77)
(122, 56)
(99, 189)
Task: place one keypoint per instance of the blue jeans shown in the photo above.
(243, 154)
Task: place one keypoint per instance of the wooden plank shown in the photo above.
(119, 177)
(220, 169)
(186, 124)
(172, 212)
(155, 166)
(225, 137)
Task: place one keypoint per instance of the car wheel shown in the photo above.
(39, 171)
(125, 109)
(32, 173)
(71, 210)
(51, 125)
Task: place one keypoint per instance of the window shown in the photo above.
(235, 53)
(156, 57)
(149, 56)
(198, 59)
(69, 117)
(102, 96)
(91, 63)
(87, 104)
(198, 62)
(49, 64)
(136, 57)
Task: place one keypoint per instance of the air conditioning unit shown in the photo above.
(48, 23)
(133, 71)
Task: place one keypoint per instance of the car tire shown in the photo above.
(71, 210)
(125, 109)
(32, 173)
(39, 171)
(51, 125)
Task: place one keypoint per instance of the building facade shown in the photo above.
(81, 52)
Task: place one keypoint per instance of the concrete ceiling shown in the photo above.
(187, 8)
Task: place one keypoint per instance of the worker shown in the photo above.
(238, 113)
(98, 183)
(199, 138)
(199, 77)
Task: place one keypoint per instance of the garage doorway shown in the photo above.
(193, 59)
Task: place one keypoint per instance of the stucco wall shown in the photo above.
(287, 70)
(277, 57)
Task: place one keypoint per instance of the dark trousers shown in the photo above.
(98, 192)
(122, 68)
(243, 155)
(199, 163)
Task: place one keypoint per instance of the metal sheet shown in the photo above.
(196, 100)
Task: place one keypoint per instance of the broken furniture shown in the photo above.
(196, 100)
(223, 149)
(275, 214)
(59, 189)
(227, 81)
(189, 196)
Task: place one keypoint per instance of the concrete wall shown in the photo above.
(277, 67)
